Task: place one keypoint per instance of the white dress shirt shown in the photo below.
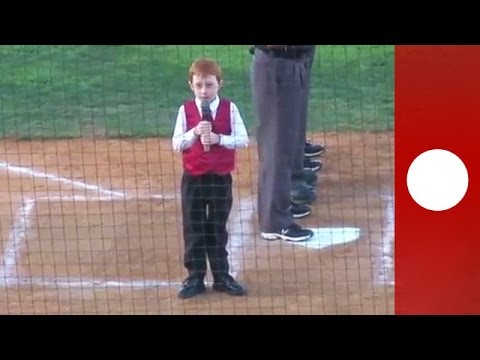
(183, 139)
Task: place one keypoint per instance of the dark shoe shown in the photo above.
(312, 150)
(229, 285)
(300, 211)
(293, 233)
(302, 194)
(314, 165)
(191, 287)
(310, 177)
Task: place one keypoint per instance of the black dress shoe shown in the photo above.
(191, 287)
(229, 285)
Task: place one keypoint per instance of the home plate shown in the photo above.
(328, 237)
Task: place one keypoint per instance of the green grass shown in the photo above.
(121, 91)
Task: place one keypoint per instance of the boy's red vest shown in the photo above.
(219, 160)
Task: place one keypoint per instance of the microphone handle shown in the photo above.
(206, 148)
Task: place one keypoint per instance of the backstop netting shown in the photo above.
(90, 199)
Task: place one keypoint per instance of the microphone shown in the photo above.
(206, 116)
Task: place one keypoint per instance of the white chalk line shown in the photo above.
(72, 283)
(81, 198)
(8, 269)
(16, 239)
(238, 222)
(9, 272)
(387, 262)
(10, 276)
(77, 184)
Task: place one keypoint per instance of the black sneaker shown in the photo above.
(314, 165)
(191, 287)
(303, 194)
(312, 150)
(293, 233)
(299, 211)
(229, 285)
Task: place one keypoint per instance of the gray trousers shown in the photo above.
(279, 91)
(297, 175)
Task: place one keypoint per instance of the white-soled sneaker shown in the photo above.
(299, 211)
(313, 150)
(293, 233)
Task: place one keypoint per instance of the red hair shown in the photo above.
(205, 67)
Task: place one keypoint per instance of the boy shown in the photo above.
(208, 131)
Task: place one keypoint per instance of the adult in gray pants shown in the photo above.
(279, 85)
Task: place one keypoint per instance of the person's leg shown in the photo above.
(301, 138)
(194, 217)
(299, 166)
(306, 99)
(310, 150)
(300, 193)
(276, 99)
(277, 86)
(219, 207)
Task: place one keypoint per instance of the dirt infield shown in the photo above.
(94, 227)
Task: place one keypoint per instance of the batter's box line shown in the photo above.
(9, 274)
(8, 268)
(21, 170)
(385, 270)
(84, 283)
(16, 238)
(75, 184)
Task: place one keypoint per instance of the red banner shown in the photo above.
(437, 253)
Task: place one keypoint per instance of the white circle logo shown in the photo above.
(437, 180)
